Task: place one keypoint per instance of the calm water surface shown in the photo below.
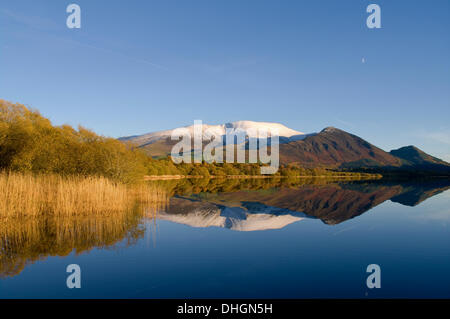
(306, 241)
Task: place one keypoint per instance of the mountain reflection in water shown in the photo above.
(236, 205)
(275, 208)
(249, 216)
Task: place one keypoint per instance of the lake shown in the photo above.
(243, 239)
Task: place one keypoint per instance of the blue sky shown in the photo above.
(141, 66)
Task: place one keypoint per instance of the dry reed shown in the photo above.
(44, 195)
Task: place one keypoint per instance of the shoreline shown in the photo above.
(173, 177)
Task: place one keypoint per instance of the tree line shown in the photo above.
(166, 166)
(30, 143)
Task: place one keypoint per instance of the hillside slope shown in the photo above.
(333, 147)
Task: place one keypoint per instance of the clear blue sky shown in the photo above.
(141, 66)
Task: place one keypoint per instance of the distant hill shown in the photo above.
(333, 147)
(411, 155)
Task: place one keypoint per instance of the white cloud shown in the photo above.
(442, 137)
(31, 21)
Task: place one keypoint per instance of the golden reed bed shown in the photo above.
(50, 215)
(35, 195)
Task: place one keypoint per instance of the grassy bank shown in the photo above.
(34, 195)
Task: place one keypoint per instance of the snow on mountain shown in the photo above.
(249, 127)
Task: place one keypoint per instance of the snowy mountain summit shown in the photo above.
(251, 129)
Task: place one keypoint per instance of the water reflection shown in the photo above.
(248, 216)
(333, 203)
(26, 240)
(242, 205)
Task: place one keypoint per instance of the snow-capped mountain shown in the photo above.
(249, 127)
(331, 147)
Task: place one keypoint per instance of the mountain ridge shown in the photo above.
(331, 147)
